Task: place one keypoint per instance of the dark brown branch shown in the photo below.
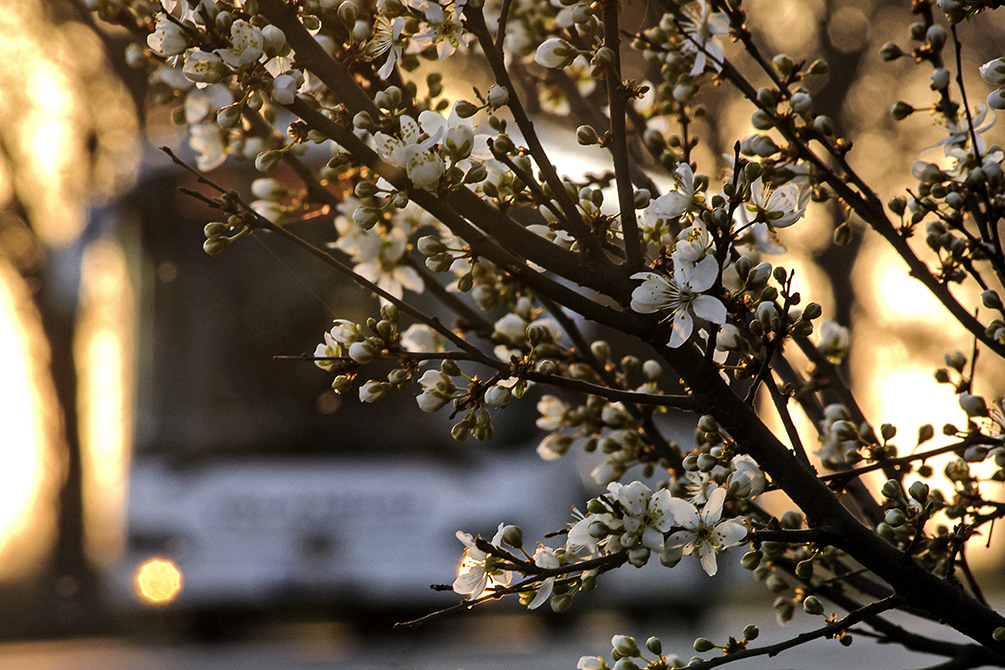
(617, 98)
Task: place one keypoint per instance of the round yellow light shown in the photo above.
(158, 581)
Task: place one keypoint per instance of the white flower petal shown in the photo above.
(707, 554)
(729, 534)
(709, 308)
(713, 508)
(684, 513)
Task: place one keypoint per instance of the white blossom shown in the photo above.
(552, 411)
(387, 39)
(702, 27)
(647, 514)
(203, 68)
(704, 534)
(206, 139)
(834, 340)
(681, 294)
(247, 45)
(958, 132)
(417, 155)
(437, 390)
(419, 338)
(693, 244)
(168, 38)
(511, 328)
(475, 576)
(544, 557)
(780, 207)
(677, 201)
(445, 27)
(380, 264)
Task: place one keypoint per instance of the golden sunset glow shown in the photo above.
(56, 98)
(104, 356)
(29, 471)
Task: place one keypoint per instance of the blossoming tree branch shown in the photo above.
(460, 199)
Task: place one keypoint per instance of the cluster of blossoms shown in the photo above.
(630, 520)
(699, 272)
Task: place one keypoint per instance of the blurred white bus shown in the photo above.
(266, 489)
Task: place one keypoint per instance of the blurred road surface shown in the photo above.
(473, 641)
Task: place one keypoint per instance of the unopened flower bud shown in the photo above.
(792, 520)
(373, 391)
(555, 53)
(940, 79)
(891, 489)
(783, 64)
(823, 125)
(498, 96)
(215, 246)
(229, 116)
(341, 384)
(498, 396)
(901, 110)
(268, 161)
(956, 360)
(801, 102)
(513, 536)
(762, 120)
(605, 57)
(936, 36)
(919, 491)
(812, 605)
(751, 560)
(586, 135)
(890, 52)
(363, 120)
(347, 13)
(818, 67)
(625, 645)
(991, 300)
(895, 518)
(547, 367)
(973, 405)
(776, 584)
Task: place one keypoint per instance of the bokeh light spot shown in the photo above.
(158, 581)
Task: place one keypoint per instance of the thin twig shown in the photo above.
(830, 630)
(781, 406)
